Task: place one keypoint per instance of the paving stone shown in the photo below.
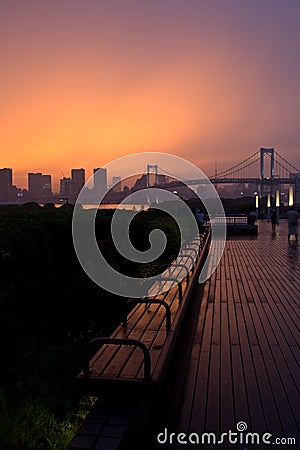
(113, 430)
(81, 441)
(105, 443)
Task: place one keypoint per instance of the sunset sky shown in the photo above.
(85, 81)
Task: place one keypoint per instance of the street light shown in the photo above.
(291, 196)
(269, 205)
(256, 204)
(277, 205)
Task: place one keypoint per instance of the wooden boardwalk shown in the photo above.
(239, 355)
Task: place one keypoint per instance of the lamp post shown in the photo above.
(268, 206)
(256, 205)
(291, 196)
(277, 205)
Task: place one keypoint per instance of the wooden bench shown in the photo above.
(138, 351)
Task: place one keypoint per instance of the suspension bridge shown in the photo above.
(266, 169)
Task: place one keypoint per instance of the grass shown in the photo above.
(38, 410)
(35, 426)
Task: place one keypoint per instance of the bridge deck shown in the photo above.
(240, 352)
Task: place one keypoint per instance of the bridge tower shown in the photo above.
(271, 153)
(152, 168)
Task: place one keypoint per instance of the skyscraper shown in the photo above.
(78, 181)
(116, 181)
(66, 187)
(71, 187)
(5, 183)
(39, 184)
(100, 180)
(78, 177)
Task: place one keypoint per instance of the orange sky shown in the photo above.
(82, 86)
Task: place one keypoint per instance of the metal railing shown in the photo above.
(235, 220)
(119, 342)
(201, 242)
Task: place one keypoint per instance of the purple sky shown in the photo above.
(83, 82)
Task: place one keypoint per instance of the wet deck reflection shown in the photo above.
(239, 357)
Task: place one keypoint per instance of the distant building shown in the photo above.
(5, 183)
(153, 179)
(66, 187)
(100, 181)
(297, 190)
(71, 187)
(39, 185)
(116, 181)
(297, 187)
(162, 179)
(78, 181)
(141, 183)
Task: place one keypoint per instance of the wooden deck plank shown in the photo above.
(203, 294)
(132, 367)
(241, 408)
(271, 413)
(227, 399)
(175, 391)
(189, 388)
(212, 419)
(250, 381)
(199, 402)
(199, 407)
(241, 360)
(288, 387)
(248, 369)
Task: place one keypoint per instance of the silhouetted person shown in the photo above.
(273, 220)
(293, 223)
(251, 218)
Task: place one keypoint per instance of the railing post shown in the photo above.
(120, 341)
(191, 249)
(174, 279)
(186, 268)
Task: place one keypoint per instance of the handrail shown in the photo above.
(120, 341)
(188, 256)
(150, 302)
(166, 266)
(186, 268)
(191, 248)
(178, 282)
(195, 241)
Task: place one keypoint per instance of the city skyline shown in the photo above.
(207, 81)
(38, 182)
(269, 169)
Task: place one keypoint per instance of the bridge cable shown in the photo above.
(232, 171)
(291, 165)
(237, 165)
